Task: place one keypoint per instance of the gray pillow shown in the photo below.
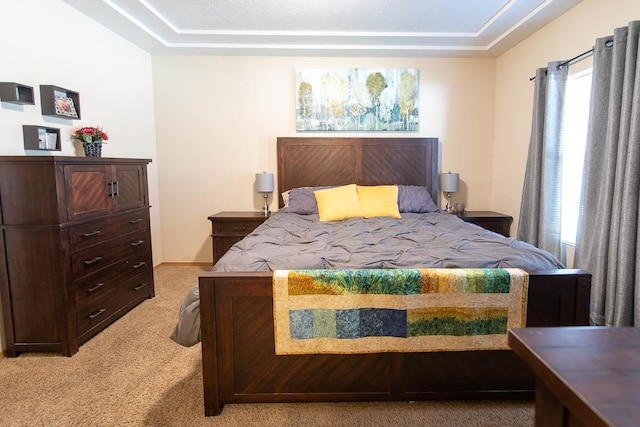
(416, 199)
(411, 198)
(302, 201)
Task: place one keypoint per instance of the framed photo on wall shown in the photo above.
(64, 106)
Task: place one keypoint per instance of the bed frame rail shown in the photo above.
(240, 364)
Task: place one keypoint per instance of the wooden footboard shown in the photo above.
(239, 363)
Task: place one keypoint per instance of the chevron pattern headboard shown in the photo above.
(310, 162)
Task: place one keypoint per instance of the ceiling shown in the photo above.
(457, 28)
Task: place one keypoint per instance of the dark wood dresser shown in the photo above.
(76, 248)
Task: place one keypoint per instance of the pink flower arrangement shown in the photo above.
(91, 134)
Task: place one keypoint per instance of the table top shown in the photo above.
(241, 215)
(593, 371)
(483, 214)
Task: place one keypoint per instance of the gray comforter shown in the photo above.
(431, 240)
(288, 241)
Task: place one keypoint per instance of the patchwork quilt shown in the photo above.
(397, 310)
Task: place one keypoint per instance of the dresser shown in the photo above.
(76, 248)
(228, 228)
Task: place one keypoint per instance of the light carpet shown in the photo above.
(132, 374)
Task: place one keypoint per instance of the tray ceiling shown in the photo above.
(461, 28)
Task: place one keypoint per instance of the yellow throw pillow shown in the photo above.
(379, 200)
(338, 203)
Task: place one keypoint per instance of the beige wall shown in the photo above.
(218, 119)
(569, 35)
(49, 42)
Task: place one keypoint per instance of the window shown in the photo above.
(575, 126)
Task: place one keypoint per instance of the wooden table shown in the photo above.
(585, 376)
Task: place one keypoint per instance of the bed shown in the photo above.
(236, 308)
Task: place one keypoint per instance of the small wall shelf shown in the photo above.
(16, 93)
(59, 102)
(41, 138)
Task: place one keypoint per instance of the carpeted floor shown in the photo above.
(132, 374)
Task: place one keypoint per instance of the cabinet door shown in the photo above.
(130, 189)
(88, 191)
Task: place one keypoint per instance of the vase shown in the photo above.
(92, 149)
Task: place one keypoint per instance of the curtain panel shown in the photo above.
(608, 236)
(540, 208)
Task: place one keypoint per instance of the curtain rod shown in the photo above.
(569, 61)
(608, 43)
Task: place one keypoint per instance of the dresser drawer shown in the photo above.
(84, 235)
(102, 255)
(101, 312)
(235, 227)
(100, 283)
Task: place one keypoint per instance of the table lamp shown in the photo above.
(448, 185)
(264, 185)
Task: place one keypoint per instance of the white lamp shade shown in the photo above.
(264, 182)
(449, 182)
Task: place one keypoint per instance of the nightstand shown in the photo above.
(492, 221)
(228, 228)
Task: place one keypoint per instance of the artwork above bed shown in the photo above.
(357, 99)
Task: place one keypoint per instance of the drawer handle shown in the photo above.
(140, 286)
(97, 313)
(240, 229)
(135, 221)
(138, 243)
(138, 265)
(93, 261)
(93, 233)
(95, 288)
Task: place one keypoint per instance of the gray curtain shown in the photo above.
(540, 209)
(608, 237)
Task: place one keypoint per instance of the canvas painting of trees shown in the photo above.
(357, 99)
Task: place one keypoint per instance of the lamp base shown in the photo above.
(449, 207)
(265, 206)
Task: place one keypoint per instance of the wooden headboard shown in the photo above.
(310, 162)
